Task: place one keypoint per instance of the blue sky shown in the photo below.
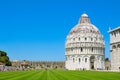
(36, 29)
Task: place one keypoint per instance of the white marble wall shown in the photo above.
(115, 49)
(73, 62)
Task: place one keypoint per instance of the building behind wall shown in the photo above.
(38, 64)
(107, 64)
(115, 48)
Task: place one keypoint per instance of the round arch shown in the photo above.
(92, 60)
(114, 47)
(118, 46)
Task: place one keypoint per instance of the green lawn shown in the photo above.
(59, 75)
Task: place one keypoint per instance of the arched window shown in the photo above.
(79, 60)
(71, 49)
(85, 38)
(85, 59)
(113, 47)
(73, 59)
(115, 34)
(81, 49)
(112, 34)
(91, 39)
(90, 30)
(66, 58)
(118, 45)
(92, 49)
(73, 39)
(79, 38)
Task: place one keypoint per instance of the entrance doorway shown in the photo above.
(92, 60)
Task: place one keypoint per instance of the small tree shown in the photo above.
(4, 58)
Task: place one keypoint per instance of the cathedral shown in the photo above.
(84, 47)
(115, 48)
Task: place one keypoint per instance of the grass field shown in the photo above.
(59, 75)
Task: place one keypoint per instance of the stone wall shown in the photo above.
(39, 64)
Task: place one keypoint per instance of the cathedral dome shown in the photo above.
(84, 46)
(84, 34)
(84, 26)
